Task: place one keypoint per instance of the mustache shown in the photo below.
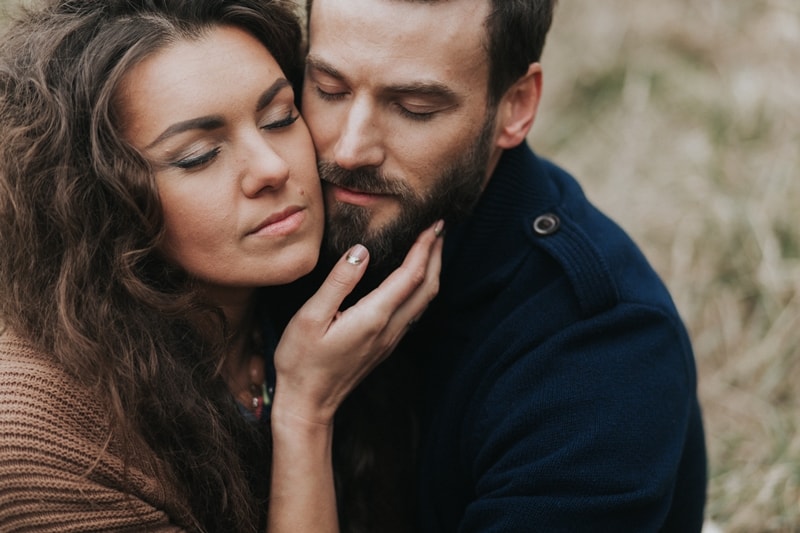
(366, 179)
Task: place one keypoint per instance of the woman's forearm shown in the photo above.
(302, 496)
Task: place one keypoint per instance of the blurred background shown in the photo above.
(682, 121)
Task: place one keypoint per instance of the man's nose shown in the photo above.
(360, 142)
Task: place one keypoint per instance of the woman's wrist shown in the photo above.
(293, 418)
(302, 493)
(306, 402)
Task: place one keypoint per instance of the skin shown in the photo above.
(378, 97)
(236, 174)
(234, 163)
(402, 86)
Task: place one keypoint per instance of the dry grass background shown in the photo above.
(682, 120)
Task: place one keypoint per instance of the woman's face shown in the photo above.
(234, 162)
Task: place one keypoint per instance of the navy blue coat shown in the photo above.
(560, 384)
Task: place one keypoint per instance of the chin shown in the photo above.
(307, 266)
(288, 267)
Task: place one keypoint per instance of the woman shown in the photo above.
(154, 173)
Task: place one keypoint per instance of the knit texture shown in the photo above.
(60, 470)
(559, 389)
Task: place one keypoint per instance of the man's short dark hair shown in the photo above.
(516, 32)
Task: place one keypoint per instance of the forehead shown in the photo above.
(396, 41)
(191, 78)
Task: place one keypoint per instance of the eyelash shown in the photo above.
(194, 163)
(418, 117)
(283, 123)
(331, 97)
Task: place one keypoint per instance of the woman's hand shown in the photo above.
(324, 353)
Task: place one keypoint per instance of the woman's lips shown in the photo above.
(283, 223)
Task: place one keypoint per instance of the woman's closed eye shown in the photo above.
(282, 123)
(198, 161)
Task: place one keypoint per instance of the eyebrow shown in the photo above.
(269, 95)
(201, 123)
(213, 122)
(418, 88)
(422, 88)
(322, 66)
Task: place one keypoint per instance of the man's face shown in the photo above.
(396, 100)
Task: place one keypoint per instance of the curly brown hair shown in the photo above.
(80, 229)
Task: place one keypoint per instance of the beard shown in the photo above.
(452, 196)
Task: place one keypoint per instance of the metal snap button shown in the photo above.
(546, 224)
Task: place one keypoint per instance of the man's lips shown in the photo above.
(354, 197)
(281, 223)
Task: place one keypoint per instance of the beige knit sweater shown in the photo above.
(58, 469)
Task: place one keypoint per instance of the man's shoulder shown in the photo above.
(603, 263)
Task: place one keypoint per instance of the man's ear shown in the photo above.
(517, 108)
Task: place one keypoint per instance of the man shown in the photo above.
(559, 382)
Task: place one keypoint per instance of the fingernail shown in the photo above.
(356, 255)
(438, 228)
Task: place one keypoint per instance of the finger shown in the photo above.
(345, 275)
(416, 305)
(405, 280)
(407, 291)
(413, 309)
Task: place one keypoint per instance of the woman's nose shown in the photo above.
(263, 168)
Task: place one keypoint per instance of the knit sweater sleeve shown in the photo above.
(587, 431)
(58, 471)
